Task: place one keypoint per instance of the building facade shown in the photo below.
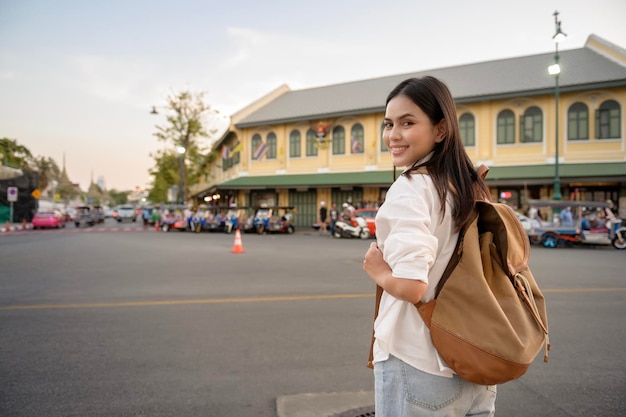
(298, 148)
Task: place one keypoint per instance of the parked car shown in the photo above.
(49, 218)
(97, 213)
(123, 213)
(369, 214)
(70, 213)
(83, 216)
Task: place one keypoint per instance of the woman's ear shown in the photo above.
(440, 130)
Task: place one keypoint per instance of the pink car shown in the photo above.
(44, 219)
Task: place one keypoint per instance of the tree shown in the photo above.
(118, 197)
(48, 171)
(67, 190)
(165, 174)
(15, 155)
(187, 124)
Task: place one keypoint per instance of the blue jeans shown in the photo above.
(403, 391)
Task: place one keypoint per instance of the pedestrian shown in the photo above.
(145, 215)
(334, 216)
(416, 230)
(566, 217)
(323, 216)
(155, 216)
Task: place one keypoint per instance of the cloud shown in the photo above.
(122, 81)
(6, 75)
(256, 62)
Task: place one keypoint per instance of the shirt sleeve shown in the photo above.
(410, 246)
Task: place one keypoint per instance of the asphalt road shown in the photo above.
(116, 321)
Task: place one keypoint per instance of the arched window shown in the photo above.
(531, 125)
(383, 147)
(578, 122)
(506, 127)
(339, 140)
(467, 126)
(294, 144)
(255, 144)
(608, 120)
(271, 143)
(357, 139)
(311, 143)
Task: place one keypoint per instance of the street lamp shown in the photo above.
(181, 166)
(555, 70)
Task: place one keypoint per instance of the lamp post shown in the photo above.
(555, 70)
(181, 166)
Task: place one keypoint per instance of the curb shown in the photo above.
(324, 404)
(14, 228)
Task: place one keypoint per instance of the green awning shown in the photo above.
(533, 174)
(613, 169)
(367, 178)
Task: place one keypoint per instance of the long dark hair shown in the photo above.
(449, 167)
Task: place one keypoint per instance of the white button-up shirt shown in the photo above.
(417, 243)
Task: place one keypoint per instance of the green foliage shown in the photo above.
(118, 197)
(15, 155)
(66, 190)
(187, 122)
(164, 174)
(48, 171)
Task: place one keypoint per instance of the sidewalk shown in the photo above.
(324, 404)
(14, 227)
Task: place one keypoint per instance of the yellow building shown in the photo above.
(302, 147)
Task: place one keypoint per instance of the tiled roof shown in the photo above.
(580, 68)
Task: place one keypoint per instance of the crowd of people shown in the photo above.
(328, 218)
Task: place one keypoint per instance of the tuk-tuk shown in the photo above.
(83, 216)
(577, 222)
(275, 219)
(224, 219)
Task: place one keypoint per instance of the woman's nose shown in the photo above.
(393, 133)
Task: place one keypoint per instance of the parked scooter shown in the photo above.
(343, 229)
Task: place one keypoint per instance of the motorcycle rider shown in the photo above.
(346, 214)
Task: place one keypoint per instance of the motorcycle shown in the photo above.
(344, 229)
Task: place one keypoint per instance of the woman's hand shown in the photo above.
(375, 266)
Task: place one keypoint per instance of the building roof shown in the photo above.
(583, 68)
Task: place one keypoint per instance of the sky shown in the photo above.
(78, 78)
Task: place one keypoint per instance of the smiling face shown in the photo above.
(409, 133)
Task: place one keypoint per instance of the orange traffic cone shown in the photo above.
(156, 226)
(238, 247)
(8, 227)
(23, 224)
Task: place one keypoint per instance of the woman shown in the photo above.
(417, 229)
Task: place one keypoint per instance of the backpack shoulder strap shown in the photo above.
(482, 171)
(379, 294)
